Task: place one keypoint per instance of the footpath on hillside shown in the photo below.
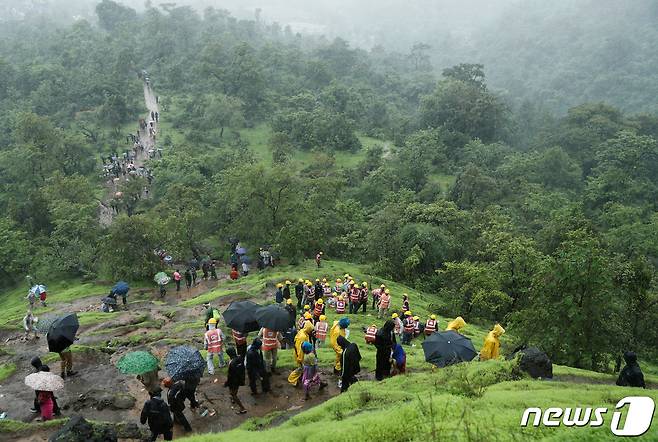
(120, 168)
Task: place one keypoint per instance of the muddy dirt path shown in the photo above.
(106, 213)
(101, 393)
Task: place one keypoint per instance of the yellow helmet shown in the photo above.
(320, 301)
(317, 279)
(309, 283)
(340, 298)
(212, 321)
(387, 291)
(288, 301)
(339, 280)
(323, 318)
(300, 280)
(407, 313)
(288, 282)
(416, 318)
(365, 284)
(394, 315)
(279, 285)
(347, 275)
(383, 286)
(324, 279)
(307, 307)
(326, 284)
(334, 294)
(351, 282)
(307, 315)
(432, 316)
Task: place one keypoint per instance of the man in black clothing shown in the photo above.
(286, 290)
(36, 408)
(631, 375)
(156, 413)
(318, 289)
(299, 293)
(256, 367)
(190, 391)
(176, 399)
(350, 363)
(384, 341)
(235, 377)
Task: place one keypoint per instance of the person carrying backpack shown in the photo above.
(176, 399)
(156, 413)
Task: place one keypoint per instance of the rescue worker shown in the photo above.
(318, 309)
(376, 293)
(398, 326)
(409, 326)
(456, 324)
(309, 293)
(176, 399)
(384, 303)
(271, 342)
(430, 325)
(631, 375)
(156, 413)
(363, 296)
(292, 311)
(339, 328)
(286, 290)
(338, 287)
(299, 292)
(326, 290)
(240, 340)
(256, 368)
(418, 327)
(318, 259)
(321, 329)
(213, 342)
(355, 298)
(491, 347)
(278, 294)
(303, 317)
(371, 332)
(303, 335)
(340, 305)
(405, 303)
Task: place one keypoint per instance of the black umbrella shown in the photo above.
(240, 316)
(109, 300)
(61, 333)
(184, 362)
(274, 317)
(447, 348)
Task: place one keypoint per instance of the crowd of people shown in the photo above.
(254, 359)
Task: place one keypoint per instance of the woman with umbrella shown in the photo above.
(44, 383)
(60, 337)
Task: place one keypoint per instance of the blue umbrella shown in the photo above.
(241, 251)
(120, 288)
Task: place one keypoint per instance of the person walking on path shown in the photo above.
(188, 279)
(256, 368)
(271, 342)
(177, 279)
(213, 342)
(311, 375)
(66, 358)
(176, 399)
(158, 416)
(235, 377)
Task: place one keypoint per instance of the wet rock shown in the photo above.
(102, 400)
(79, 430)
(534, 362)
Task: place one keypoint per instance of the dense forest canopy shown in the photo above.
(506, 212)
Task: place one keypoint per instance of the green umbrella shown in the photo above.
(161, 278)
(137, 362)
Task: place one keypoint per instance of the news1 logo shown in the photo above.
(638, 416)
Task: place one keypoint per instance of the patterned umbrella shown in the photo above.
(45, 322)
(44, 381)
(161, 278)
(137, 362)
(184, 362)
(38, 289)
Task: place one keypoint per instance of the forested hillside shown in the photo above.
(546, 224)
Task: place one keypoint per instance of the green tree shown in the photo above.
(112, 15)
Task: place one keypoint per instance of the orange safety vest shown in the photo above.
(321, 330)
(370, 334)
(300, 323)
(326, 291)
(398, 323)
(384, 301)
(417, 327)
(340, 306)
(355, 295)
(317, 311)
(430, 326)
(409, 325)
(238, 337)
(214, 340)
(270, 342)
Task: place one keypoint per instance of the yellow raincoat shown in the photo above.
(456, 324)
(334, 333)
(302, 336)
(491, 347)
